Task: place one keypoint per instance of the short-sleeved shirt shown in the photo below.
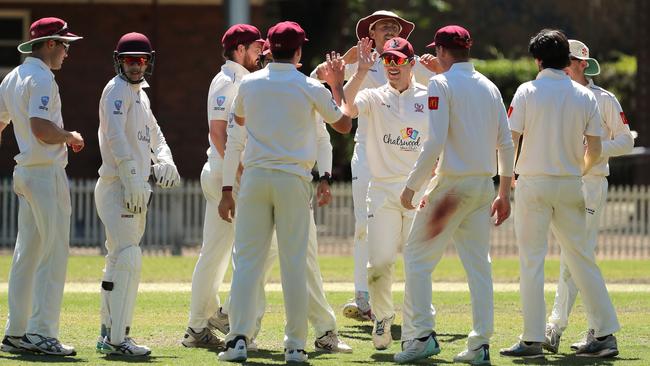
(280, 105)
(29, 91)
(397, 129)
(553, 113)
(223, 89)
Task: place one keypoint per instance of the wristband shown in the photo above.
(226, 189)
(327, 177)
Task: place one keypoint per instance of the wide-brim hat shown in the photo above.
(363, 25)
(45, 29)
(580, 51)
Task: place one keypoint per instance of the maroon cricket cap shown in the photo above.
(286, 36)
(47, 28)
(399, 47)
(134, 44)
(240, 34)
(452, 36)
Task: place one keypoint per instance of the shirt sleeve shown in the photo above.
(323, 149)
(5, 117)
(115, 106)
(238, 103)
(362, 101)
(324, 104)
(421, 73)
(517, 112)
(220, 101)
(159, 146)
(40, 98)
(438, 103)
(235, 144)
(350, 70)
(620, 141)
(593, 127)
(505, 146)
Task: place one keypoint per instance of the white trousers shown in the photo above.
(271, 197)
(542, 201)
(40, 258)
(360, 182)
(594, 189)
(469, 228)
(123, 229)
(218, 236)
(388, 227)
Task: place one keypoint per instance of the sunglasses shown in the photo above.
(393, 60)
(138, 60)
(66, 45)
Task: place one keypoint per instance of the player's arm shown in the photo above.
(366, 58)
(592, 153)
(5, 117)
(593, 131)
(49, 133)
(622, 141)
(218, 135)
(506, 162)
(426, 67)
(220, 102)
(325, 102)
(235, 143)
(324, 163)
(3, 125)
(164, 169)
(350, 58)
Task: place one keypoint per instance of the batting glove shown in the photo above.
(166, 175)
(136, 190)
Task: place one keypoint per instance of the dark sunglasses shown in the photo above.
(138, 60)
(394, 60)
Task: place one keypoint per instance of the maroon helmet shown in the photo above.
(133, 44)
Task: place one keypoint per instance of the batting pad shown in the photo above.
(121, 300)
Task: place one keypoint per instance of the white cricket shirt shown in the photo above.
(467, 127)
(280, 105)
(223, 89)
(128, 129)
(30, 90)
(617, 138)
(397, 129)
(553, 113)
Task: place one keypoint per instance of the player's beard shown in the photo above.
(251, 64)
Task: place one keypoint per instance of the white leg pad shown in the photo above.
(121, 299)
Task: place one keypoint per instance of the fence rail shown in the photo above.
(175, 222)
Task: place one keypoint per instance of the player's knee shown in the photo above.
(129, 259)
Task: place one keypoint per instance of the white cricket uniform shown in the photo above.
(40, 258)
(320, 313)
(468, 130)
(396, 130)
(279, 105)
(617, 140)
(218, 235)
(375, 78)
(553, 114)
(128, 130)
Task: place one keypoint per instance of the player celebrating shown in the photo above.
(242, 45)
(29, 97)
(616, 140)
(554, 115)
(467, 124)
(379, 27)
(277, 105)
(128, 135)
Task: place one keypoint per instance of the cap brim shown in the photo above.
(394, 52)
(26, 47)
(593, 67)
(432, 44)
(363, 25)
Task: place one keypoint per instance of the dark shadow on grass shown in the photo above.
(264, 353)
(388, 357)
(570, 359)
(39, 357)
(450, 337)
(140, 359)
(361, 332)
(395, 331)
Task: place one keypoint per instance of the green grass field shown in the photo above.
(160, 318)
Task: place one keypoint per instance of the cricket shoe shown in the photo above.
(295, 355)
(523, 350)
(552, 338)
(11, 344)
(48, 345)
(588, 336)
(127, 348)
(479, 356)
(330, 342)
(100, 344)
(418, 349)
(606, 347)
(381, 336)
(252, 346)
(358, 308)
(219, 321)
(203, 339)
(235, 350)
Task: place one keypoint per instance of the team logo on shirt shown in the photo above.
(118, 107)
(336, 107)
(433, 103)
(144, 136)
(220, 101)
(409, 133)
(385, 105)
(408, 140)
(44, 100)
(419, 107)
(624, 119)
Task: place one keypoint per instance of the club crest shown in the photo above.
(419, 107)
(221, 100)
(45, 100)
(118, 104)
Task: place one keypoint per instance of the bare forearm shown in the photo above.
(352, 86)
(504, 186)
(48, 132)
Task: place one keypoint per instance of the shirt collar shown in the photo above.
(552, 74)
(590, 83)
(281, 66)
(410, 89)
(38, 62)
(236, 69)
(462, 67)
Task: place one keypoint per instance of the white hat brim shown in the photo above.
(26, 47)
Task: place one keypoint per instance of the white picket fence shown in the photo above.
(175, 222)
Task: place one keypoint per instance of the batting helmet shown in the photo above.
(133, 44)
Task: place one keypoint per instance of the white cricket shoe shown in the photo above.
(252, 346)
(127, 348)
(552, 337)
(418, 349)
(330, 342)
(203, 339)
(219, 321)
(48, 345)
(358, 308)
(479, 356)
(235, 350)
(295, 355)
(11, 344)
(381, 336)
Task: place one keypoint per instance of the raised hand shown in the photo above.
(432, 63)
(334, 69)
(366, 57)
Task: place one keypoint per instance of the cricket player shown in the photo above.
(380, 27)
(320, 314)
(242, 45)
(469, 134)
(554, 114)
(396, 130)
(278, 107)
(29, 98)
(616, 140)
(128, 137)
